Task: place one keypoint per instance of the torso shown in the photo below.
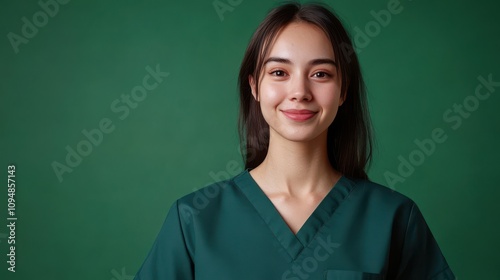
(294, 210)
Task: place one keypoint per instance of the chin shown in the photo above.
(299, 135)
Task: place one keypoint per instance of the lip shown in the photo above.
(299, 115)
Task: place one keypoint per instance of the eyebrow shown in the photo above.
(317, 61)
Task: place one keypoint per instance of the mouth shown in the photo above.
(299, 115)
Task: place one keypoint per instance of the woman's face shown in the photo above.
(299, 74)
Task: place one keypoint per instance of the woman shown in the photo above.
(303, 208)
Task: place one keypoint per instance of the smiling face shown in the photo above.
(299, 91)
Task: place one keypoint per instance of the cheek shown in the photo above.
(328, 102)
(328, 97)
(271, 95)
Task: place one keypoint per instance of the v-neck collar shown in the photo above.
(292, 243)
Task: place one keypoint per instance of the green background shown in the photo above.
(101, 220)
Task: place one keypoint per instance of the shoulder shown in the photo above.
(393, 211)
(208, 198)
(376, 189)
(375, 195)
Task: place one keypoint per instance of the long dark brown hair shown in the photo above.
(349, 140)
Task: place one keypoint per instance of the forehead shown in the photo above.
(301, 40)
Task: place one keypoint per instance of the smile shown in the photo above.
(303, 115)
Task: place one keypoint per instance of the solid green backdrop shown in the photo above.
(111, 110)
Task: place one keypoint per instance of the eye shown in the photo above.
(321, 75)
(278, 73)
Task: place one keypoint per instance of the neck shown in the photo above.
(297, 168)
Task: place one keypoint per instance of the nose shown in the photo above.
(300, 89)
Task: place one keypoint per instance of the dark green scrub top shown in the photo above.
(230, 230)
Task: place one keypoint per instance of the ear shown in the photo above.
(251, 81)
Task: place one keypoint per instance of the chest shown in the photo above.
(295, 211)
